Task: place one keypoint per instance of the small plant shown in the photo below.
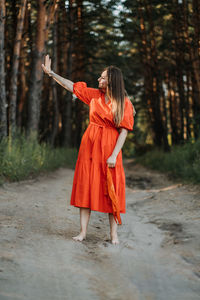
(181, 162)
(22, 158)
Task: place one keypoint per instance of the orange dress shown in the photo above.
(98, 142)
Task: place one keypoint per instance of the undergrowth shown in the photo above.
(181, 162)
(23, 158)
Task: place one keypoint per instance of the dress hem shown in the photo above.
(106, 212)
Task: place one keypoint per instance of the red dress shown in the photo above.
(98, 142)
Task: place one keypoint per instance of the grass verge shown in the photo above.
(181, 162)
(23, 158)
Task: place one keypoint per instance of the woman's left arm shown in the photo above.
(111, 161)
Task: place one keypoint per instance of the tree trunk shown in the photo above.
(44, 18)
(80, 107)
(195, 51)
(67, 113)
(153, 84)
(160, 124)
(15, 67)
(196, 44)
(3, 105)
(188, 96)
(36, 71)
(22, 74)
(180, 40)
(55, 95)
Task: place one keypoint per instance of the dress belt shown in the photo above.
(109, 188)
(104, 128)
(101, 125)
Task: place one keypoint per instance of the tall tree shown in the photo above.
(79, 69)
(22, 80)
(67, 106)
(15, 67)
(195, 51)
(3, 106)
(55, 122)
(44, 18)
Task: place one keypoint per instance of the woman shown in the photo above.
(99, 180)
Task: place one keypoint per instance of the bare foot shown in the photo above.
(115, 240)
(79, 237)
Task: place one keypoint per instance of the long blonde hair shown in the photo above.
(116, 92)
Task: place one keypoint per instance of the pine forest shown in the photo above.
(155, 43)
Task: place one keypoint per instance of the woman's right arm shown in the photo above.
(66, 83)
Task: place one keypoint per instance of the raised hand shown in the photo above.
(47, 65)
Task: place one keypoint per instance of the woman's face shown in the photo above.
(103, 81)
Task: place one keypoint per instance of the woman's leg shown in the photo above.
(113, 230)
(84, 219)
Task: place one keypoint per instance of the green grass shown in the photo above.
(23, 158)
(182, 162)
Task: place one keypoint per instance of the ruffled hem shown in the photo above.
(93, 209)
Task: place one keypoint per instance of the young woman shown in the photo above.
(99, 180)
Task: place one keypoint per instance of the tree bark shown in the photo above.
(157, 94)
(55, 94)
(3, 105)
(36, 75)
(15, 67)
(23, 72)
(44, 19)
(152, 81)
(67, 112)
(196, 44)
(195, 52)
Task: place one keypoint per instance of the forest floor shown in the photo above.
(158, 257)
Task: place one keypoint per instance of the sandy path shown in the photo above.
(158, 257)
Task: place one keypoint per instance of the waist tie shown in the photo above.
(109, 188)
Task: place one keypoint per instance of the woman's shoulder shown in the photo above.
(85, 93)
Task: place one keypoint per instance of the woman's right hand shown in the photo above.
(47, 65)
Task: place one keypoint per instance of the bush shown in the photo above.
(23, 158)
(181, 162)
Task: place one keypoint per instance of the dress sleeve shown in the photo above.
(84, 93)
(128, 119)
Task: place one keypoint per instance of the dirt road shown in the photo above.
(158, 257)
